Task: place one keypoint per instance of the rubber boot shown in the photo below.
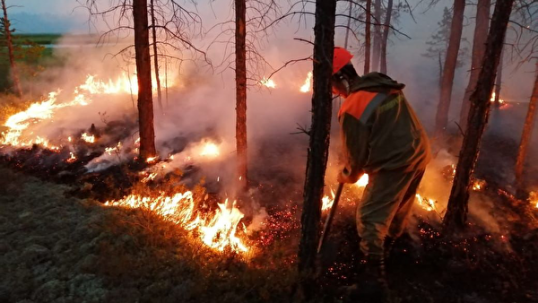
(372, 288)
(387, 246)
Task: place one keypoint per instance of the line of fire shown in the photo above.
(269, 151)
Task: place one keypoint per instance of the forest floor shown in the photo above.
(60, 243)
(55, 247)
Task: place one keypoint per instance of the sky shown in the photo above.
(405, 55)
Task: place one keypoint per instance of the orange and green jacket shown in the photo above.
(380, 130)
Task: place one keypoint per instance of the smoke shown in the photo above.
(199, 108)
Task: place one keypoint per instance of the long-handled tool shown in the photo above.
(330, 217)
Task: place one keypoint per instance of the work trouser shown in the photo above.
(385, 206)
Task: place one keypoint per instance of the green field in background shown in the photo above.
(42, 39)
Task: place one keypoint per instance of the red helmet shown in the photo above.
(341, 58)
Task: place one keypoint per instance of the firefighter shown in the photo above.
(382, 137)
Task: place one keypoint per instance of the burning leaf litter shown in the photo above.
(218, 231)
(424, 202)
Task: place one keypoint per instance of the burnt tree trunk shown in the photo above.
(498, 82)
(143, 74)
(367, 36)
(451, 60)
(156, 56)
(527, 133)
(479, 47)
(456, 215)
(386, 31)
(241, 91)
(319, 138)
(376, 52)
(12, 65)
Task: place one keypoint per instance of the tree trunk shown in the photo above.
(241, 91)
(456, 215)
(479, 47)
(449, 68)
(319, 139)
(348, 23)
(440, 62)
(13, 67)
(385, 40)
(527, 133)
(377, 35)
(498, 82)
(143, 74)
(156, 57)
(367, 36)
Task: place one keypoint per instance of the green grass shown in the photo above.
(39, 38)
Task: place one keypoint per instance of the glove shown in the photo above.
(345, 177)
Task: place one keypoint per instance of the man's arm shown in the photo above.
(355, 142)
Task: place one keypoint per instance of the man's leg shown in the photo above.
(381, 201)
(399, 221)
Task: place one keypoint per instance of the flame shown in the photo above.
(363, 181)
(45, 110)
(326, 202)
(268, 83)
(478, 185)
(217, 231)
(533, 198)
(426, 203)
(307, 83)
(149, 177)
(210, 150)
(110, 150)
(492, 99)
(88, 138)
(151, 160)
(71, 158)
